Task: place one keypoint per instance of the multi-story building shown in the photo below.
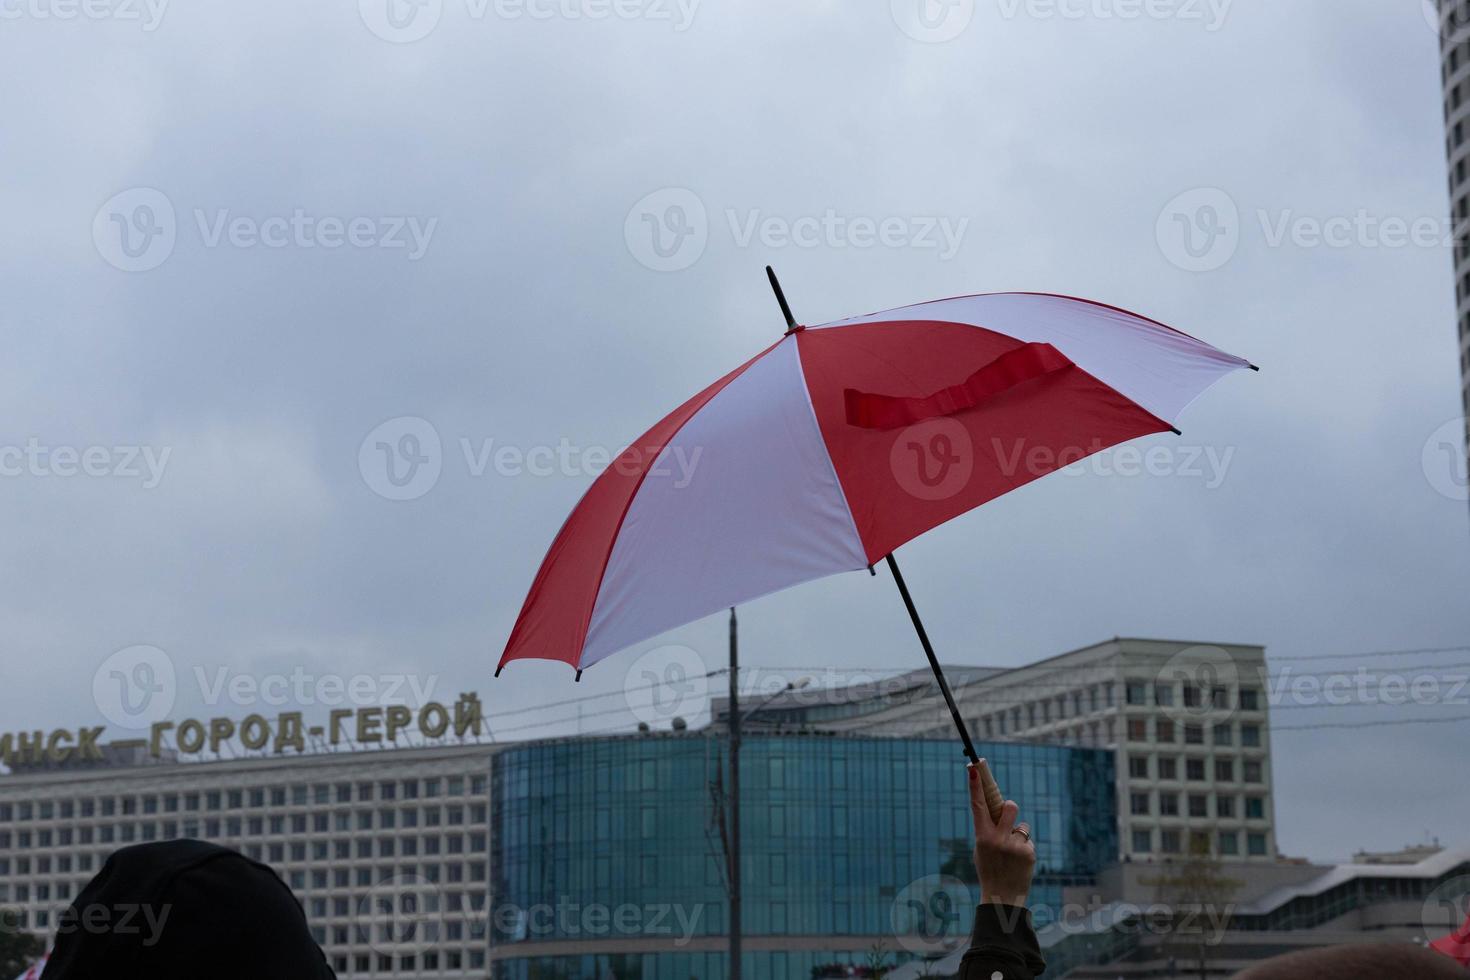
(607, 854)
(1187, 723)
(584, 857)
(1455, 74)
(353, 834)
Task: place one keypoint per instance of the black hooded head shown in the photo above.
(182, 910)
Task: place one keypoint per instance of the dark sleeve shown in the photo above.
(1004, 943)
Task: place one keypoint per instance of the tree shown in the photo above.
(18, 948)
(1199, 893)
(878, 961)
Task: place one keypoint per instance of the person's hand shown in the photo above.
(1005, 858)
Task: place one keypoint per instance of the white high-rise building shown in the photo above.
(346, 831)
(1455, 72)
(1187, 723)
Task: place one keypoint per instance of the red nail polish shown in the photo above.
(974, 774)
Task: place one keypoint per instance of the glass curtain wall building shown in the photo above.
(607, 855)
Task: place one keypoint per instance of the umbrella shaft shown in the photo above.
(954, 710)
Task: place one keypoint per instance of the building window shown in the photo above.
(1194, 770)
(1138, 766)
(1250, 699)
(1225, 770)
(1168, 804)
(1250, 736)
(1143, 841)
(1164, 695)
(1168, 767)
(1255, 808)
(1224, 734)
(1194, 735)
(1199, 805)
(1137, 692)
(1191, 696)
(1138, 729)
(1169, 842)
(1224, 806)
(1252, 770)
(1255, 845)
(1139, 804)
(1164, 728)
(1229, 842)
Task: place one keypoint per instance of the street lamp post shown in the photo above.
(732, 827)
(734, 830)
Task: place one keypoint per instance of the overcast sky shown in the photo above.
(246, 236)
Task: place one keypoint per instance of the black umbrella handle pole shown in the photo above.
(954, 710)
(781, 298)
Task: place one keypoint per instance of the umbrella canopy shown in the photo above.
(840, 442)
(1456, 945)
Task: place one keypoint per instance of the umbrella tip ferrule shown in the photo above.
(578, 678)
(499, 669)
(1254, 368)
(1175, 431)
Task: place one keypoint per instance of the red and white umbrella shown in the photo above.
(1456, 945)
(35, 970)
(831, 448)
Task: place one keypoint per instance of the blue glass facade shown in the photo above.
(606, 853)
